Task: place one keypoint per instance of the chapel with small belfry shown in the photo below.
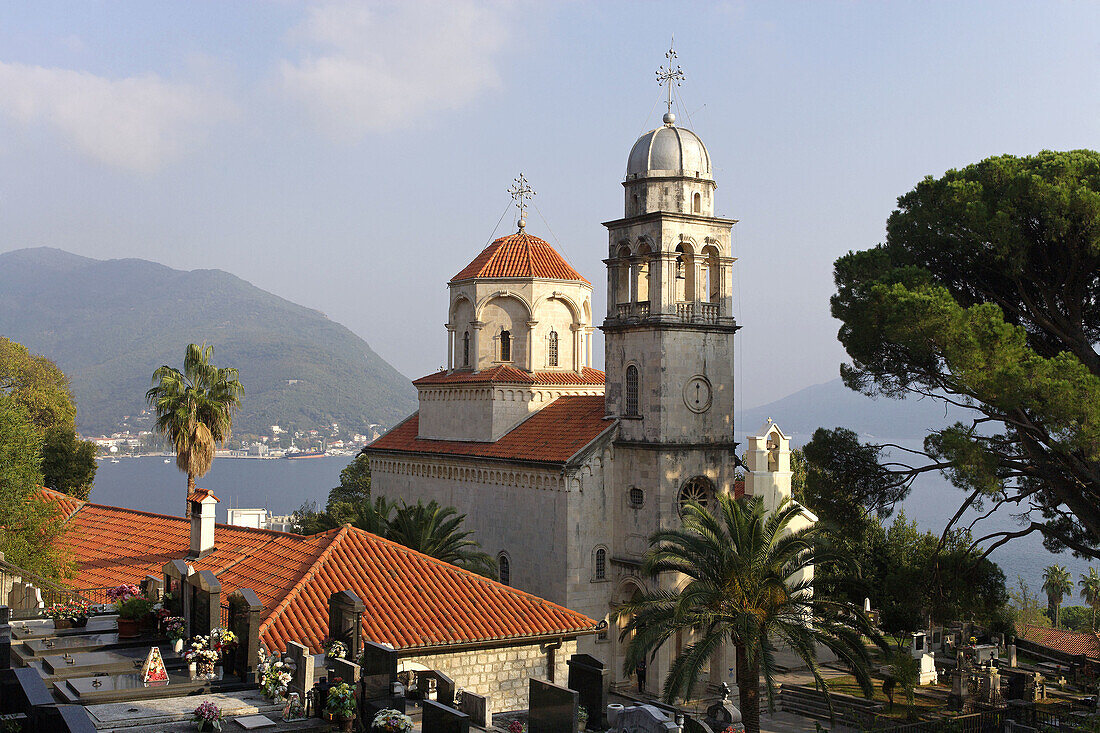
(564, 471)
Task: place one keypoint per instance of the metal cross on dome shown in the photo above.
(521, 191)
(666, 75)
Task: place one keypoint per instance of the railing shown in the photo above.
(28, 594)
(628, 311)
(692, 312)
(709, 312)
(685, 311)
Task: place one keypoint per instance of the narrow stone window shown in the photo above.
(553, 348)
(601, 564)
(637, 497)
(697, 203)
(504, 569)
(466, 349)
(505, 346)
(632, 391)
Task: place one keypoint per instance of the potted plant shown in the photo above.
(582, 718)
(340, 705)
(69, 614)
(130, 615)
(391, 721)
(207, 717)
(176, 630)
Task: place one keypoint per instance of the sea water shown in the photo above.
(282, 485)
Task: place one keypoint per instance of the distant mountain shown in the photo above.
(110, 323)
(831, 405)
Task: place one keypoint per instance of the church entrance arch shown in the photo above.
(629, 590)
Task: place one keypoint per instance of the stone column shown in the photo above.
(576, 329)
(475, 345)
(450, 347)
(530, 356)
(659, 268)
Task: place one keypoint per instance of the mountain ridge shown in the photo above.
(110, 323)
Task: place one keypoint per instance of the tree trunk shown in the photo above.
(748, 679)
(190, 490)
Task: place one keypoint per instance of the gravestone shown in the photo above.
(640, 719)
(152, 586)
(205, 594)
(723, 713)
(244, 621)
(5, 637)
(175, 572)
(592, 681)
(345, 618)
(437, 718)
(349, 672)
(378, 670)
(477, 707)
(302, 663)
(431, 680)
(552, 708)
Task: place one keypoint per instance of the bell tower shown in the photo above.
(670, 325)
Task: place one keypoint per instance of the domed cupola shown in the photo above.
(669, 151)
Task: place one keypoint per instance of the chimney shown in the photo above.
(200, 507)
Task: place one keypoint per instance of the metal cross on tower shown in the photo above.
(520, 193)
(666, 75)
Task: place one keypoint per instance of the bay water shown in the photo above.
(281, 486)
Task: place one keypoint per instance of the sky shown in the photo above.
(353, 156)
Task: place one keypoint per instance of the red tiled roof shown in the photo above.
(505, 374)
(412, 600)
(200, 494)
(1067, 642)
(519, 255)
(554, 434)
(66, 504)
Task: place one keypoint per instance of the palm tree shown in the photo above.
(1090, 591)
(1056, 584)
(195, 408)
(437, 531)
(746, 572)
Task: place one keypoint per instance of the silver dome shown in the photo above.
(669, 150)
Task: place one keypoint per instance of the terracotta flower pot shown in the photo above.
(128, 628)
(347, 724)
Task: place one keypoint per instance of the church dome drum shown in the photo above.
(669, 151)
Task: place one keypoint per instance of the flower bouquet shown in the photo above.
(341, 705)
(517, 727)
(390, 721)
(275, 677)
(176, 630)
(207, 716)
(224, 642)
(336, 650)
(71, 613)
(124, 592)
(203, 656)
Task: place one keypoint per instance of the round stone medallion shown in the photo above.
(697, 394)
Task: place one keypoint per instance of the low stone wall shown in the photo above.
(502, 674)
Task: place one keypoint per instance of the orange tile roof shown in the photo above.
(505, 374)
(200, 494)
(66, 504)
(519, 255)
(1067, 642)
(554, 434)
(412, 600)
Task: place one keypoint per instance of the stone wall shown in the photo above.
(502, 674)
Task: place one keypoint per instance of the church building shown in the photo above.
(562, 470)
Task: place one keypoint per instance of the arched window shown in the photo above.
(637, 497)
(553, 348)
(505, 346)
(504, 569)
(696, 203)
(696, 490)
(466, 349)
(601, 564)
(632, 390)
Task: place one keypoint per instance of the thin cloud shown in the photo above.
(378, 67)
(136, 123)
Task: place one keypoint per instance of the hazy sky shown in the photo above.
(352, 157)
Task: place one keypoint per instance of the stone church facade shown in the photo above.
(562, 470)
